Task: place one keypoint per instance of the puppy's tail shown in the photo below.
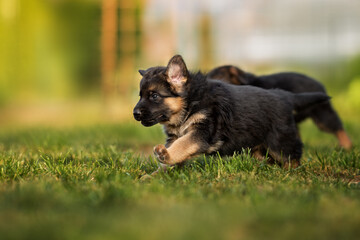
(309, 99)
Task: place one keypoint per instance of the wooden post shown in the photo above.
(127, 45)
(108, 46)
(206, 44)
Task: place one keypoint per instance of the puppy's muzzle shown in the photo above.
(137, 114)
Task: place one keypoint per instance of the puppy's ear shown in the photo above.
(238, 76)
(142, 72)
(177, 73)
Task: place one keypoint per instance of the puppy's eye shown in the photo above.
(154, 96)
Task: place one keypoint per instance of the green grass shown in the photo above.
(84, 183)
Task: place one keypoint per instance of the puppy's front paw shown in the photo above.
(162, 154)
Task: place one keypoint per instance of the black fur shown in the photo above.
(237, 117)
(324, 115)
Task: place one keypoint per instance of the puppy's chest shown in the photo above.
(176, 131)
(187, 126)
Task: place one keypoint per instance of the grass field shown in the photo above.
(84, 183)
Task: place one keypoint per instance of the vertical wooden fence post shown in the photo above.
(108, 46)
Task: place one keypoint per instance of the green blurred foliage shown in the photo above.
(336, 75)
(49, 49)
(341, 73)
(78, 33)
(354, 92)
(351, 98)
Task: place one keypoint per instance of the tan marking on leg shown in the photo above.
(283, 160)
(258, 155)
(256, 152)
(291, 164)
(277, 157)
(161, 153)
(215, 147)
(182, 149)
(195, 118)
(343, 139)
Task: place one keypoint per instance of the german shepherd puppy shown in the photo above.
(323, 115)
(208, 116)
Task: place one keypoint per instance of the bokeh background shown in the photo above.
(65, 62)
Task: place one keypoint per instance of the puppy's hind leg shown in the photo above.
(344, 140)
(327, 120)
(286, 161)
(262, 154)
(288, 154)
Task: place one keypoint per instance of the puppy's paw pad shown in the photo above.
(161, 153)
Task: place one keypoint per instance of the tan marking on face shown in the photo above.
(183, 148)
(151, 88)
(176, 105)
(156, 88)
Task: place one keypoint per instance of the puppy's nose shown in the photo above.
(137, 114)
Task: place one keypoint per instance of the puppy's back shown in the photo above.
(289, 81)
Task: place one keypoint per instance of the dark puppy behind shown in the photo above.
(323, 115)
(208, 116)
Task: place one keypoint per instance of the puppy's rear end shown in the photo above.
(266, 121)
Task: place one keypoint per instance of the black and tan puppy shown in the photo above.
(209, 116)
(323, 115)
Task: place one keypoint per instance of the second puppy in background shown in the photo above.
(323, 115)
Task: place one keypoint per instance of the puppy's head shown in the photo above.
(229, 74)
(162, 92)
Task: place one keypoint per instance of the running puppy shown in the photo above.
(208, 116)
(323, 115)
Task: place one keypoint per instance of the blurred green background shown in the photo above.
(71, 154)
(76, 61)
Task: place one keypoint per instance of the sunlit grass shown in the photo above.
(84, 183)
